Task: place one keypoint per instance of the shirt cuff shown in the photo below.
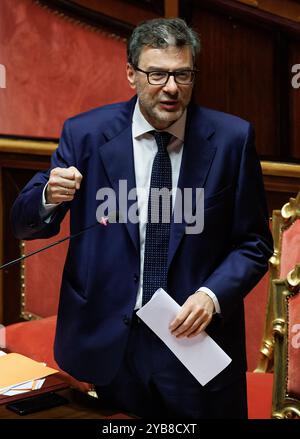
(47, 209)
(212, 296)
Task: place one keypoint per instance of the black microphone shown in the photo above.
(114, 217)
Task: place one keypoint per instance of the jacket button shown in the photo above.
(126, 320)
(135, 278)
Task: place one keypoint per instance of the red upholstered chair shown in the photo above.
(259, 395)
(40, 286)
(255, 306)
(286, 330)
(286, 234)
(259, 385)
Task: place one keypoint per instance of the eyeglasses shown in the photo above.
(183, 77)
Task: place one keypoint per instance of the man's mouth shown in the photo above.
(170, 105)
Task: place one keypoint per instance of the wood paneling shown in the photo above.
(171, 8)
(245, 67)
(276, 169)
(269, 17)
(282, 181)
(124, 10)
(288, 9)
(19, 161)
(13, 181)
(294, 104)
(21, 146)
(236, 77)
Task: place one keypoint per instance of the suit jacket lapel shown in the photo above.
(198, 154)
(118, 160)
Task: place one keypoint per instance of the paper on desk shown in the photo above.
(200, 355)
(16, 369)
(29, 386)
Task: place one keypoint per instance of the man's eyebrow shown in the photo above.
(161, 69)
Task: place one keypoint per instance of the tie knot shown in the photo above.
(162, 139)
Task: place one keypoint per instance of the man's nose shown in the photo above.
(171, 85)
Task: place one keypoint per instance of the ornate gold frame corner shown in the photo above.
(281, 220)
(291, 210)
(284, 406)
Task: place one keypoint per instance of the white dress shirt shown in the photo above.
(144, 151)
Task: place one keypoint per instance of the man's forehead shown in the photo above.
(163, 56)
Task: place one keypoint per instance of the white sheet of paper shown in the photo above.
(200, 355)
(29, 386)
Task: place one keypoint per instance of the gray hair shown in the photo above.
(160, 33)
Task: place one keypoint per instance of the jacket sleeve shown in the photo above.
(26, 216)
(252, 243)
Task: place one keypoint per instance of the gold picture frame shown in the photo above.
(281, 221)
(284, 405)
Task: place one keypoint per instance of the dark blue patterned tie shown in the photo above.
(158, 225)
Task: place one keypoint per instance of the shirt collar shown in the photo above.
(141, 126)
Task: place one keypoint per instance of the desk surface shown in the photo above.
(80, 406)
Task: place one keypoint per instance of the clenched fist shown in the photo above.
(62, 185)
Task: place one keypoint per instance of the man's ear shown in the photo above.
(130, 75)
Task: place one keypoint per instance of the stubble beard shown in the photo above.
(160, 119)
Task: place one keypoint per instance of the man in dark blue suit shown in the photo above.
(113, 269)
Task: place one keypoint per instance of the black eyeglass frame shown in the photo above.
(176, 72)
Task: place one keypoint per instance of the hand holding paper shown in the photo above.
(194, 316)
(200, 354)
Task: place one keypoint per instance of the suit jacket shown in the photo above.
(101, 272)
